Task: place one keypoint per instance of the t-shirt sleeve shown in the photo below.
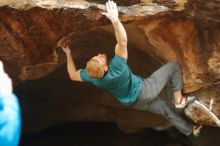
(84, 75)
(118, 63)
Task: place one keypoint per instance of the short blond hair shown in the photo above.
(94, 69)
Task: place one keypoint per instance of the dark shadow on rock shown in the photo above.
(99, 134)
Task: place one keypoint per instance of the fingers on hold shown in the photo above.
(65, 45)
(107, 6)
(110, 4)
(114, 5)
(105, 14)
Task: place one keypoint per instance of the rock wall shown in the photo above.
(158, 31)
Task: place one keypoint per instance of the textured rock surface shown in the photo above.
(158, 31)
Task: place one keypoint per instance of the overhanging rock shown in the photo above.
(158, 31)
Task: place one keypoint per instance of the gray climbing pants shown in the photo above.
(152, 86)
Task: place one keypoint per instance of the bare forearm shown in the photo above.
(71, 67)
(120, 32)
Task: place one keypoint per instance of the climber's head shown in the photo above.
(97, 66)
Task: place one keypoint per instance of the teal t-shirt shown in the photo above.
(119, 81)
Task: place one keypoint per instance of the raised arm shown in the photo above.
(120, 33)
(71, 67)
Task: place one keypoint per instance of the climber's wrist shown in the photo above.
(115, 20)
